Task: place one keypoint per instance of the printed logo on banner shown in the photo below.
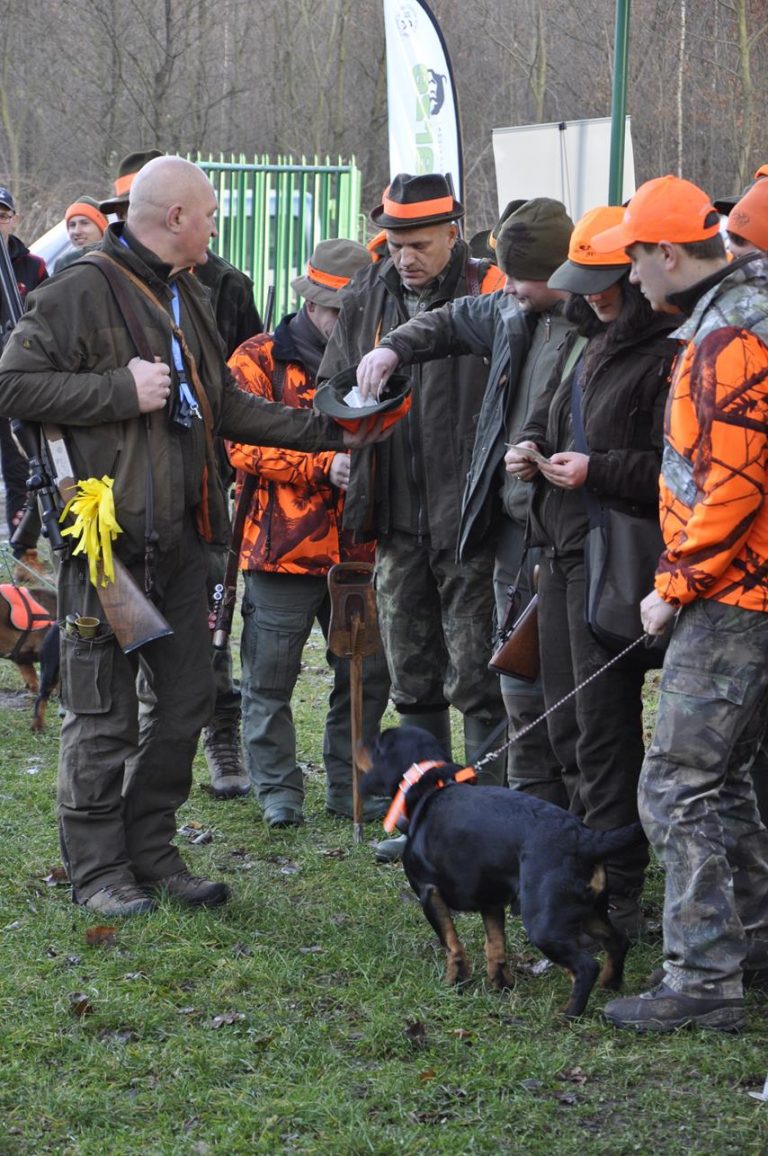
(425, 135)
(406, 20)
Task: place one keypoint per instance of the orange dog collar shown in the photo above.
(399, 809)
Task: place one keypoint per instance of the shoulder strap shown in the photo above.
(116, 274)
(278, 379)
(472, 274)
(109, 268)
(577, 418)
(575, 353)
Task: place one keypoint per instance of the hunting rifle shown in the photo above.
(134, 619)
(225, 595)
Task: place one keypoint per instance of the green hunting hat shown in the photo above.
(129, 167)
(533, 241)
(395, 400)
(332, 265)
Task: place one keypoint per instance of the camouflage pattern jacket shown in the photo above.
(714, 516)
(294, 521)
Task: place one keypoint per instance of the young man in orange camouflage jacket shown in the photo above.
(293, 536)
(696, 798)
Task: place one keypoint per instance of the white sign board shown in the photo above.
(569, 161)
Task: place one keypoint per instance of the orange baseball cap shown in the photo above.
(761, 172)
(587, 271)
(664, 209)
(749, 216)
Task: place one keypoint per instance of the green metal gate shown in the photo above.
(272, 214)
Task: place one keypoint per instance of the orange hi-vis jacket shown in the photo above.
(714, 475)
(294, 523)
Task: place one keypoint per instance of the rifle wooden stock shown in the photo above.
(227, 597)
(133, 618)
(226, 608)
(518, 654)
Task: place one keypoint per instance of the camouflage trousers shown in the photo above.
(436, 623)
(697, 802)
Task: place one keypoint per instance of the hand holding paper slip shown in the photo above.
(355, 400)
(529, 453)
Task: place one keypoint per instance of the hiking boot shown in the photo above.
(390, 850)
(664, 1010)
(225, 765)
(190, 890)
(283, 817)
(118, 901)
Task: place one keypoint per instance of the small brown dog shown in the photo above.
(29, 634)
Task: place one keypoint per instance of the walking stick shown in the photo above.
(353, 633)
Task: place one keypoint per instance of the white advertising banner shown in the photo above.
(424, 132)
(569, 161)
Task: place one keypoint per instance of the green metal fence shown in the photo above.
(272, 214)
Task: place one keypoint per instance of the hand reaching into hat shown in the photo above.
(374, 370)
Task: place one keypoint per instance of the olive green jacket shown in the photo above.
(66, 363)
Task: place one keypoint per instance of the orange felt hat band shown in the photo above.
(83, 209)
(330, 280)
(123, 184)
(417, 209)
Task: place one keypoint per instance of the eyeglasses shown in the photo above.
(7, 216)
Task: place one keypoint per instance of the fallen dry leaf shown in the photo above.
(573, 1075)
(334, 853)
(56, 877)
(226, 1018)
(101, 936)
(427, 1074)
(461, 1034)
(80, 1004)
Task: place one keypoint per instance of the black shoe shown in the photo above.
(189, 890)
(664, 1010)
(283, 817)
(390, 850)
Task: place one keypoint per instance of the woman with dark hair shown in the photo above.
(615, 367)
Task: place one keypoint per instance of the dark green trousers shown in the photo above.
(126, 767)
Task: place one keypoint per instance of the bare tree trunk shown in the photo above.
(680, 79)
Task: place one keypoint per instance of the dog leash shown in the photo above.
(529, 726)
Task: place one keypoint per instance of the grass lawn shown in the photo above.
(309, 1016)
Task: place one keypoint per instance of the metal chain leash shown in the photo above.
(519, 734)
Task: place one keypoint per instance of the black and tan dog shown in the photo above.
(482, 849)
